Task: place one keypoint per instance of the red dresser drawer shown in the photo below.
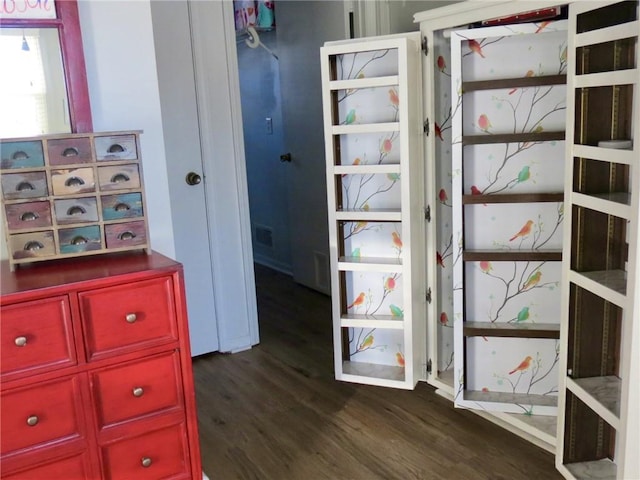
(128, 317)
(137, 388)
(69, 151)
(36, 336)
(153, 455)
(41, 414)
(77, 467)
(28, 215)
(127, 234)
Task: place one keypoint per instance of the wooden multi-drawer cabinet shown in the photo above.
(96, 376)
(72, 195)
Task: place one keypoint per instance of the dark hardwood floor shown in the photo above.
(276, 411)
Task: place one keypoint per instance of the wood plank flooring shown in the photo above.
(276, 411)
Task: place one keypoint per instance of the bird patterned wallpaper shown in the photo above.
(511, 292)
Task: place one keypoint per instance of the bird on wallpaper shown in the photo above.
(438, 131)
(356, 161)
(475, 47)
(397, 241)
(394, 177)
(524, 174)
(524, 365)
(485, 266)
(368, 341)
(476, 191)
(483, 123)
(528, 74)
(444, 319)
(523, 315)
(439, 259)
(359, 227)
(393, 97)
(356, 252)
(441, 63)
(389, 284)
(524, 231)
(386, 146)
(358, 301)
(532, 281)
(396, 311)
(442, 196)
(350, 118)
(400, 359)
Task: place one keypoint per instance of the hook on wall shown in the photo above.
(254, 41)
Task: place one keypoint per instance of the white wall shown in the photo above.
(123, 86)
(401, 13)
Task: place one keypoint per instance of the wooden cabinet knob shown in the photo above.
(131, 317)
(20, 341)
(145, 462)
(138, 392)
(32, 420)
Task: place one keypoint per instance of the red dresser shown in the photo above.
(96, 378)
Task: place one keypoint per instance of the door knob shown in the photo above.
(285, 158)
(193, 178)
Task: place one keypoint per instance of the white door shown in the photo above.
(182, 144)
(302, 28)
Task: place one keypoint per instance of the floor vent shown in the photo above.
(264, 236)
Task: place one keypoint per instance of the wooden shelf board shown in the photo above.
(365, 82)
(384, 374)
(365, 128)
(517, 398)
(608, 284)
(372, 321)
(601, 394)
(602, 203)
(372, 215)
(520, 82)
(603, 469)
(513, 198)
(605, 79)
(512, 255)
(514, 330)
(610, 155)
(512, 138)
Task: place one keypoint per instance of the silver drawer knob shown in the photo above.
(146, 462)
(131, 317)
(138, 392)
(32, 420)
(20, 341)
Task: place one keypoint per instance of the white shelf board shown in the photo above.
(369, 264)
(373, 374)
(372, 321)
(603, 469)
(601, 204)
(372, 215)
(365, 128)
(610, 155)
(506, 397)
(364, 169)
(366, 82)
(605, 79)
(608, 284)
(601, 394)
(617, 32)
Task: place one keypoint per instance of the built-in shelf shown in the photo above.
(369, 264)
(609, 204)
(512, 255)
(375, 372)
(610, 155)
(365, 82)
(372, 321)
(603, 469)
(513, 198)
(608, 284)
(513, 398)
(513, 330)
(364, 169)
(365, 128)
(372, 215)
(512, 138)
(601, 394)
(521, 82)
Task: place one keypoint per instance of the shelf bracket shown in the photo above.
(425, 127)
(425, 46)
(427, 213)
(428, 296)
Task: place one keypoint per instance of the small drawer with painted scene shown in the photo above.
(30, 215)
(21, 154)
(76, 210)
(32, 245)
(69, 151)
(119, 177)
(72, 181)
(80, 239)
(119, 235)
(16, 186)
(125, 205)
(116, 147)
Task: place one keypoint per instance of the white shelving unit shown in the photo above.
(373, 143)
(599, 425)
